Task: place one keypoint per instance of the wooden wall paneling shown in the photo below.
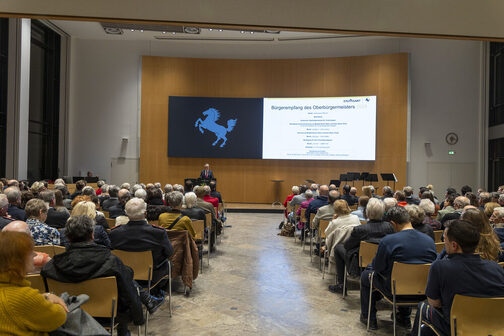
(246, 180)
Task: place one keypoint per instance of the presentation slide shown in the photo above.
(334, 128)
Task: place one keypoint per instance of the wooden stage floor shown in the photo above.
(253, 207)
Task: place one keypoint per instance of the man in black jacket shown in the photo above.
(138, 235)
(14, 197)
(84, 260)
(112, 200)
(55, 219)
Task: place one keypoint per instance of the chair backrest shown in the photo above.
(437, 235)
(58, 249)
(199, 228)
(221, 206)
(140, 262)
(367, 252)
(302, 215)
(501, 263)
(37, 282)
(439, 247)
(312, 216)
(49, 249)
(208, 219)
(102, 294)
(323, 224)
(106, 214)
(476, 316)
(409, 279)
(111, 222)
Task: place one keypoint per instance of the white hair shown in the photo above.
(121, 220)
(140, 193)
(4, 202)
(427, 206)
(135, 188)
(59, 181)
(499, 211)
(157, 185)
(168, 188)
(126, 185)
(135, 209)
(309, 194)
(389, 202)
(295, 190)
(375, 209)
(190, 200)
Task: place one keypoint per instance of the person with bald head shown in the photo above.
(318, 202)
(40, 258)
(4, 207)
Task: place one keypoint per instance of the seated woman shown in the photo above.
(489, 245)
(36, 214)
(174, 219)
(191, 210)
(23, 310)
(417, 216)
(87, 208)
(309, 197)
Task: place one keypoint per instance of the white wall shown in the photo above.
(445, 93)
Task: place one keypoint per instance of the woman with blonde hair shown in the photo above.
(489, 245)
(367, 191)
(88, 209)
(489, 208)
(23, 310)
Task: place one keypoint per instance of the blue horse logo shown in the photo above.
(212, 115)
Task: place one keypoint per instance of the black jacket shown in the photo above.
(84, 261)
(116, 211)
(100, 237)
(4, 221)
(16, 213)
(108, 203)
(216, 194)
(351, 200)
(427, 229)
(56, 219)
(141, 236)
(195, 214)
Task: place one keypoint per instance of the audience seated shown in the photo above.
(299, 198)
(304, 205)
(387, 192)
(14, 197)
(339, 230)
(191, 210)
(401, 198)
(141, 193)
(373, 231)
(429, 208)
(118, 209)
(489, 208)
(58, 203)
(87, 208)
(99, 184)
(463, 272)
(4, 207)
(361, 209)
(23, 310)
(314, 189)
(79, 185)
(489, 244)
(389, 202)
(447, 206)
(39, 258)
(458, 205)
(417, 217)
(407, 245)
(214, 192)
(84, 260)
(208, 208)
(319, 201)
(36, 211)
(497, 218)
(427, 194)
(104, 194)
(350, 199)
(99, 219)
(174, 219)
(55, 219)
(154, 196)
(326, 212)
(212, 200)
(138, 235)
(112, 200)
(410, 197)
(295, 191)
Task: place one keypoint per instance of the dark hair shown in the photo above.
(25, 197)
(302, 188)
(450, 198)
(422, 190)
(465, 189)
(79, 229)
(428, 195)
(113, 190)
(346, 189)
(464, 233)
(188, 186)
(154, 193)
(363, 201)
(58, 195)
(80, 184)
(400, 196)
(473, 199)
(213, 185)
(398, 215)
(451, 191)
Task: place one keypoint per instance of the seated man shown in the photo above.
(318, 202)
(118, 209)
(458, 205)
(462, 272)
(191, 210)
(351, 200)
(300, 197)
(112, 200)
(212, 200)
(214, 192)
(174, 219)
(408, 246)
(4, 216)
(79, 185)
(14, 197)
(326, 212)
(208, 207)
(55, 219)
(138, 235)
(85, 260)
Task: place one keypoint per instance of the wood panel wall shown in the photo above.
(247, 180)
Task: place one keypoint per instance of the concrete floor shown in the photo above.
(260, 283)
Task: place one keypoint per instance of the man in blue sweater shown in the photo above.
(407, 246)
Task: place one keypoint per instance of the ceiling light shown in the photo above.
(191, 30)
(251, 32)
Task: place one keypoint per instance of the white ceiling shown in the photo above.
(94, 31)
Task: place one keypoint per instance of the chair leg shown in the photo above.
(323, 264)
(420, 318)
(138, 330)
(344, 282)
(146, 321)
(311, 245)
(370, 299)
(394, 306)
(169, 290)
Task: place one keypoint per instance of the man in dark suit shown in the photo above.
(118, 210)
(206, 173)
(112, 200)
(14, 198)
(55, 219)
(214, 192)
(138, 235)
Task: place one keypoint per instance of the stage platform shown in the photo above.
(253, 208)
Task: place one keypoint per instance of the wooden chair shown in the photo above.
(302, 219)
(406, 279)
(102, 294)
(59, 249)
(367, 252)
(48, 249)
(199, 228)
(37, 282)
(142, 265)
(439, 247)
(111, 222)
(363, 222)
(474, 316)
(208, 219)
(312, 229)
(106, 214)
(323, 224)
(438, 234)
